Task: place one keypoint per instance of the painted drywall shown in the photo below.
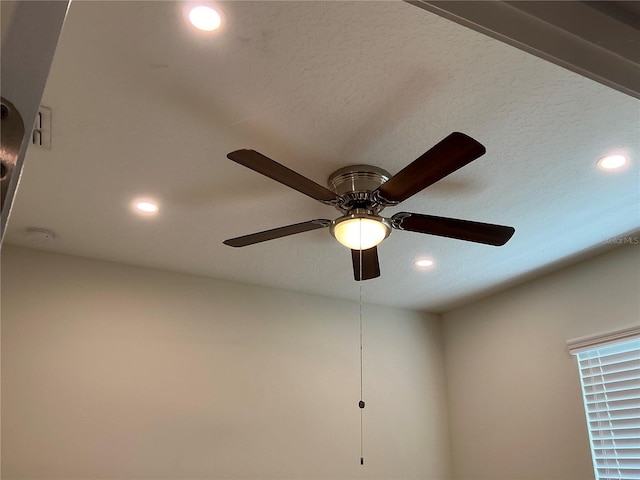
(514, 394)
(119, 372)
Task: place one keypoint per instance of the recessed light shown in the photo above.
(424, 263)
(205, 18)
(146, 207)
(612, 162)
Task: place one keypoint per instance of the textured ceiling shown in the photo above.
(143, 105)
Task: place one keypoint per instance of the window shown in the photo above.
(610, 377)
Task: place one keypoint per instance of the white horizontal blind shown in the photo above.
(610, 378)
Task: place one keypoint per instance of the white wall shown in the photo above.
(118, 372)
(514, 394)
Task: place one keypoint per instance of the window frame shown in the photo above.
(582, 346)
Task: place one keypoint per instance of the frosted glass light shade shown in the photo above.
(360, 233)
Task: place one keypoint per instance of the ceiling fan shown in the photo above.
(361, 192)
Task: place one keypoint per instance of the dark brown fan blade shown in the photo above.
(277, 233)
(446, 157)
(272, 169)
(370, 265)
(450, 227)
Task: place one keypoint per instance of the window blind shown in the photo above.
(610, 378)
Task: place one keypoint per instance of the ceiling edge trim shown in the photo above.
(583, 39)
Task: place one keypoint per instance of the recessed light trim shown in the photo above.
(612, 162)
(146, 207)
(205, 18)
(424, 263)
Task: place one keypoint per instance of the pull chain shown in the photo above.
(361, 402)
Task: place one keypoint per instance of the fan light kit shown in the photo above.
(360, 231)
(361, 192)
(611, 162)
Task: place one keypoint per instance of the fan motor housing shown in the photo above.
(355, 184)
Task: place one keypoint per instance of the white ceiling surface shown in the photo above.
(144, 105)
